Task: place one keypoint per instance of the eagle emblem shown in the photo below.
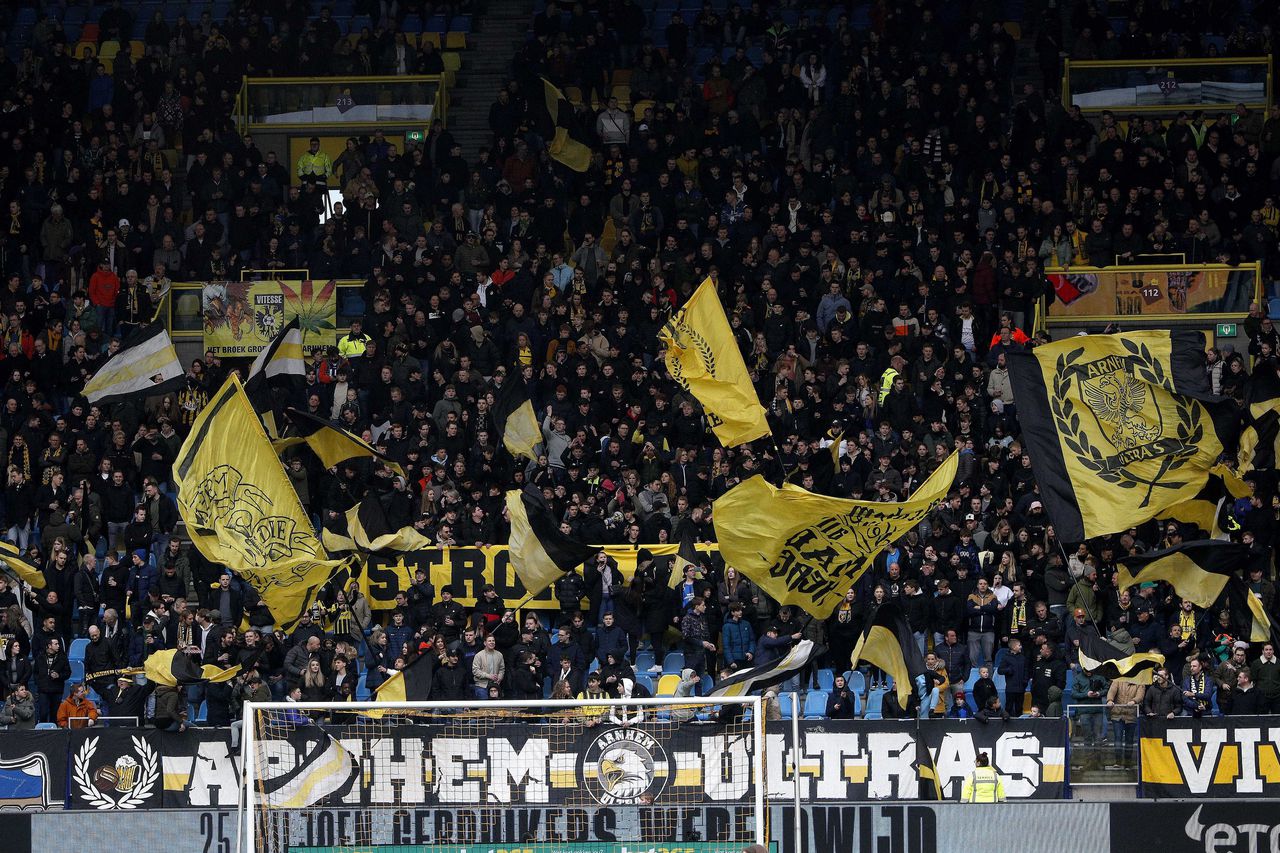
(1119, 404)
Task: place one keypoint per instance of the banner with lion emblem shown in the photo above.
(1119, 427)
(241, 318)
(806, 549)
(241, 510)
(704, 358)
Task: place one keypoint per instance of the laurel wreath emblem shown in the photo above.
(1190, 427)
(681, 334)
(149, 775)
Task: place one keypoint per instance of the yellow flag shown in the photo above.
(241, 510)
(1119, 427)
(12, 558)
(806, 549)
(703, 357)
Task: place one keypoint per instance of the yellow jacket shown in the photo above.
(317, 164)
(983, 785)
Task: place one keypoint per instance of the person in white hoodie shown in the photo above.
(613, 124)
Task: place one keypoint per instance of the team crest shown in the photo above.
(123, 782)
(1124, 424)
(268, 315)
(625, 767)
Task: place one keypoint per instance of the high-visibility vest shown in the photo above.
(886, 384)
(983, 785)
(352, 347)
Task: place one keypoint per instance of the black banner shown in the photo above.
(455, 763)
(1212, 826)
(1029, 754)
(33, 770)
(110, 769)
(1210, 757)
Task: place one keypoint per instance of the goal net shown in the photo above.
(565, 776)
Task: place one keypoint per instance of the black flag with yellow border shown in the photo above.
(514, 418)
(1119, 427)
(565, 141)
(887, 642)
(1111, 661)
(540, 553)
(330, 443)
(1261, 434)
(1204, 573)
(411, 684)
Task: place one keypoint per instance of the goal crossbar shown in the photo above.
(247, 825)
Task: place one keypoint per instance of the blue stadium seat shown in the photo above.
(202, 713)
(826, 680)
(77, 670)
(1273, 307)
(46, 726)
(546, 687)
(673, 663)
(460, 24)
(857, 681)
(784, 704)
(815, 705)
(644, 661)
(78, 645)
(436, 24)
(363, 693)
(411, 24)
(875, 705)
(646, 680)
(706, 685)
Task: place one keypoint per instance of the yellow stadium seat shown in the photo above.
(455, 41)
(86, 48)
(452, 61)
(623, 94)
(434, 38)
(667, 685)
(573, 94)
(639, 107)
(137, 49)
(109, 63)
(622, 77)
(109, 50)
(1013, 28)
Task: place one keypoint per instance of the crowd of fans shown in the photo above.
(876, 208)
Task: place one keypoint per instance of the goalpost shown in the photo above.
(554, 776)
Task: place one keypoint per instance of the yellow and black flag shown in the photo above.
(807, 550)
(369, 530)
(686, 555)
(514, 418)
(566, 143)
(1261, 433)
(703, 357)
(1211, 509)
(539, 552)
(1204, 573)
(277, 374)
(174, 668)
(240, 509)
(27, 573)
(1120, 427)
(146, 364)
(744, 682)
(330, 443)
(1113, 662)
(887, 642)
(411, 684)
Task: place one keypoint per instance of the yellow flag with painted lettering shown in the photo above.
(704, 358)
(806, 549)
(241, 510)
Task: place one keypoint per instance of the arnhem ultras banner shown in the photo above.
(456, 764)
(242, 317)
(1211, 757)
